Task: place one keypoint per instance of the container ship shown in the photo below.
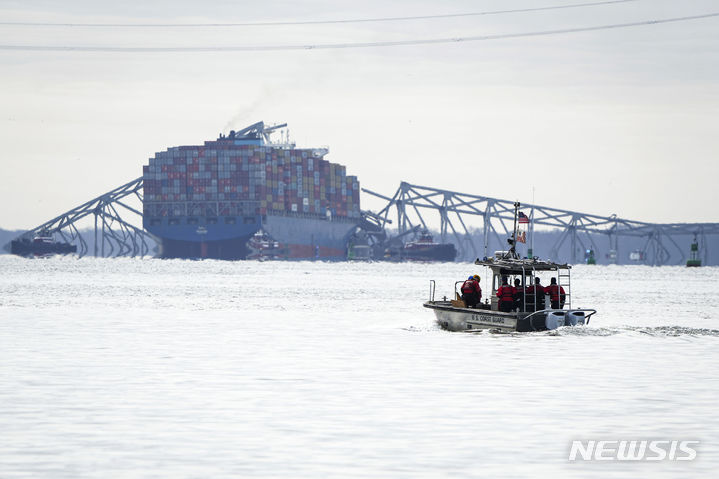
(209, 201)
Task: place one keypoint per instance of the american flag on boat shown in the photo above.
(522, 228)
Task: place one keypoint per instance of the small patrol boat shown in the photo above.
(528, 310)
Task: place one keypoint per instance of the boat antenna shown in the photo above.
(531, 228)
(513, 241)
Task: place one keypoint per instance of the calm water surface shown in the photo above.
(135, 368)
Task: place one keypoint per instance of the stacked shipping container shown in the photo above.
(224, 178)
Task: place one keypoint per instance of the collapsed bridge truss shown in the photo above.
(114, 234)
(497, 216)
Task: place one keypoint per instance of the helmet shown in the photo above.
(470, 278)
(476, 276)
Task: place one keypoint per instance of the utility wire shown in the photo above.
(312, 22)
(328, 46)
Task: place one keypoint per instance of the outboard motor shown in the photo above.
(575, 317)
(555, 319)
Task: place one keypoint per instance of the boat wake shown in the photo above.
(656, 331)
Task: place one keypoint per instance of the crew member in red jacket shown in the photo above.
(556, 294)
(470, 292)
(505, 294)
(479, 289)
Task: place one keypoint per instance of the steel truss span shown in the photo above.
(117, 237)
(413, 202)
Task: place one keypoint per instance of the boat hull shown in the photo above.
(429, 252)
(453, 318)
(25, 247)
(298, 236)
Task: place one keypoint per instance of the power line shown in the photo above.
(328, 46)
(312, 22)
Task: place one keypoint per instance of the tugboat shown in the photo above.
(262, 247)
(42, 245)
(528, 313)
(425, 249)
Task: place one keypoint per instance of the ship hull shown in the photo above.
(37, 249)
(299, 237)
(229, 249)
(430, 252)
(310, 238)
(445, 252)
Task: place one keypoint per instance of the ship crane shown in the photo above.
(269, 129)
(256, 131)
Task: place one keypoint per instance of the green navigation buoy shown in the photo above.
(589, 257)
(694, 254)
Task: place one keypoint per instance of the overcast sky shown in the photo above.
(620, 121)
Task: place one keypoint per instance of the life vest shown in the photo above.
(554, 291)
(505, 293)
(469, 287)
